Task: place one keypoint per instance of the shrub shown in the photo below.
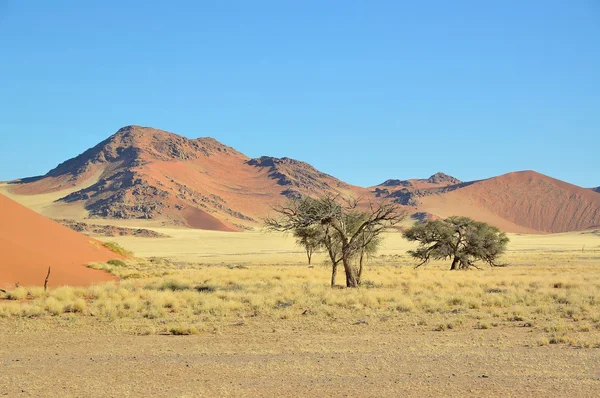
(53, 306)
(181, 330)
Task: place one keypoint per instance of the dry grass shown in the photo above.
(116, 248)
(558, 302)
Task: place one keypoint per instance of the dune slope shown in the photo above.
(30, 243)
(524, 201)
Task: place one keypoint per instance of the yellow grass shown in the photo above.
(556, 299)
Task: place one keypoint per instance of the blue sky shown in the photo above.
(363, 90)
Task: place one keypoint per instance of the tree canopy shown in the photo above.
(347, 232)
(461, 239)
(310, 238)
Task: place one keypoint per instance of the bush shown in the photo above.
(180, 330)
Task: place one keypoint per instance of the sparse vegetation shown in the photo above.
(115, 247)
(117, 263)
(557, 303)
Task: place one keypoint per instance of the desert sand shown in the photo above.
(30, 243)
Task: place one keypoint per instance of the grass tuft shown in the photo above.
(116, 248)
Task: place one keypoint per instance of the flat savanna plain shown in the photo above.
(234, 314)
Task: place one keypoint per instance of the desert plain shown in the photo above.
(164, 283)
(207, 313)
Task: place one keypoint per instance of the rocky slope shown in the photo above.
(146, 173)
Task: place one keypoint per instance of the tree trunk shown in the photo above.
(351, 277)
(360, 266)
(455, 263)
(333, 275)
(309, 255)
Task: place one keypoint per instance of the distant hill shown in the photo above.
(146, 173)
(142, 173)
(597, 189)
(524, 201)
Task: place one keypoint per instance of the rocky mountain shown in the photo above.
(146, 173)
(142, 173)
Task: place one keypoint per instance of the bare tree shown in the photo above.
(347, 230)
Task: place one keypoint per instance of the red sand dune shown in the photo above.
(524, 201)
(30, 243)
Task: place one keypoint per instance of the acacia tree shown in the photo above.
(347, 230)
(461, 239)
(310, 238)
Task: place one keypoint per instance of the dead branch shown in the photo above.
(46, 281)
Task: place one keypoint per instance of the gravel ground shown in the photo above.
(262, 361)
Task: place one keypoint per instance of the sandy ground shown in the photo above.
(291, 361)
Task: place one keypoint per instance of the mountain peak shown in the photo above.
(442, 178)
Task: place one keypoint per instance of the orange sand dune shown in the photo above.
(523, 201)
(30, 243)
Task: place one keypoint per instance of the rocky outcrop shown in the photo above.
(441, 178)
(397, 183)
(109, 230)
(296, 176)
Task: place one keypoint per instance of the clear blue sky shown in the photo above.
(363, 90)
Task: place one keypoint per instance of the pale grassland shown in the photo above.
(550, 290)
(556, 300)
(257, 247)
